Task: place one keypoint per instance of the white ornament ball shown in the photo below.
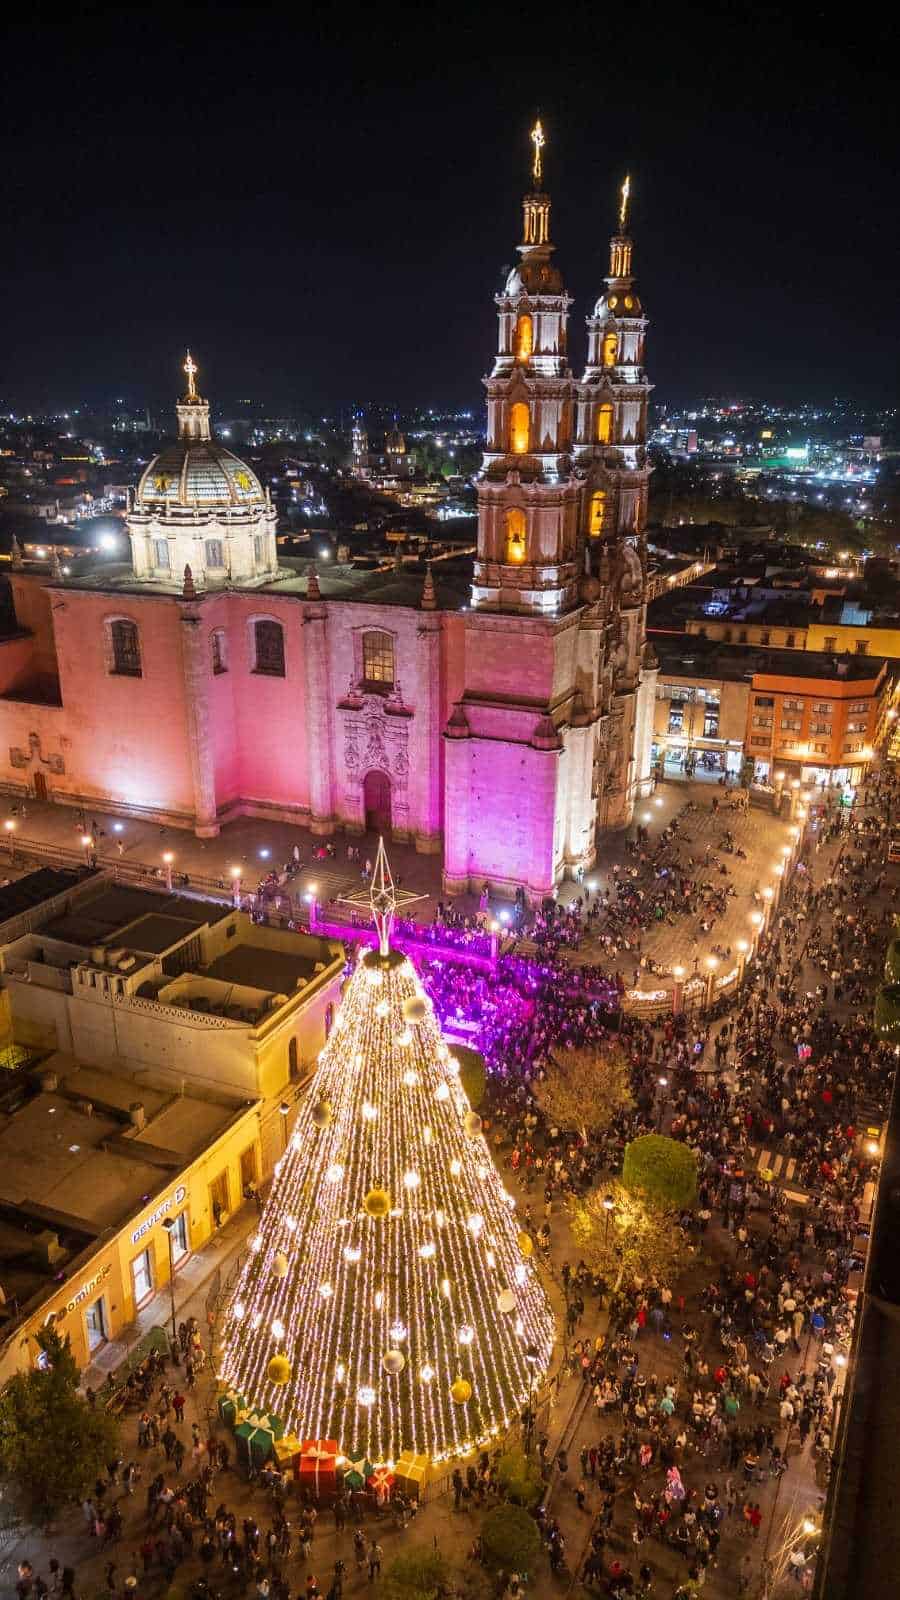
(414, 1008)
(506, 1301)
(280, 1265)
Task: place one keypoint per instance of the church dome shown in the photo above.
(617, 303)
(534, 275)
(199, 472)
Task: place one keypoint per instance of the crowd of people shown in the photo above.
(697, 1394)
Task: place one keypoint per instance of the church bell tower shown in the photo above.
(527, 494)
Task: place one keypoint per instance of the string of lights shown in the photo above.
(389, 1300)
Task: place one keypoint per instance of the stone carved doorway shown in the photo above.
(377, 802)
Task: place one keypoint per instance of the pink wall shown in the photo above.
(270, 747)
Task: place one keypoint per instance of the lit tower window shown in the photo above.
(519, 429)
(524, 338)
(610, 349)
(598, 511)
(605, 424)
(515, 535)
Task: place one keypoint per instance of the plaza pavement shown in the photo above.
(137, 846)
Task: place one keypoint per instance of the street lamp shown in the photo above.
(235, 874)
(609, 1206)
(169, 1225)
(168, 858)
(87, 845)
(10, 827)
(663, 1084)
(284, 1112)
(712, 963)
(678, 989)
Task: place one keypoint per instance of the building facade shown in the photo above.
(505, 727)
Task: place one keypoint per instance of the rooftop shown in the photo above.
(74, 1166)
(697, 657)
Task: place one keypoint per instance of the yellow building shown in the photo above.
(89, 1177)
(852, 638)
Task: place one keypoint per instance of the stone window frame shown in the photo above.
(217, 545)
(109, 649)
(265, 616)
(218, 651)
(374, 685)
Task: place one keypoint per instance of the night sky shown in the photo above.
(321, 206)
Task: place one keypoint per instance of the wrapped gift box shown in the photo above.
(287, 1451)
(412, 1473)
(356, 1472)
(317, 1466)
(273, 1423)
(232, 1408)
(254, 1444)
(381, 1482)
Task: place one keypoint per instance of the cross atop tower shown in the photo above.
(538, 140)
(191, 368)
(623, 208)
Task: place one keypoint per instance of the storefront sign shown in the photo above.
(81, 1294)
(156, 1216)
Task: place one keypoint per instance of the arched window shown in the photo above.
(524, 338)
(378, 660)
(515, 535)
(268, 648)
(605, 423)
(293, 1059)
(610, 349)
(218, 651)
(598, 512)
(519, 428)
(124, 648)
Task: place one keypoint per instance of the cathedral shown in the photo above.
(504, 724)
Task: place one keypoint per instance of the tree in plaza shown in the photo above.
(887, 1012)
(389, 1300)
(420, 1573)
(520, 1477)
(53, 1445)
(663, 1171)
(623, 1236)
(509, 1539)
(585, 1088)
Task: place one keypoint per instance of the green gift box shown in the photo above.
(254, 1443)
(274, 1424)
(231, 1407)
(356, 1472)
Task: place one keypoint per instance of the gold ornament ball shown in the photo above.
(525, 1244)
(460, 1391)
(279, 1370)
(414, 1008)
(393, 1362)
(377, 1203)
(321, 1113)
(280, 1265)
(472, 1123)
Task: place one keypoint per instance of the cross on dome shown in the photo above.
(538, 140)
(191, 368)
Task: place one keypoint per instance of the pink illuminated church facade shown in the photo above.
(505, 725)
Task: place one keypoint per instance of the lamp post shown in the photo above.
(235, 874)
(87, 845)
(678, 990)
(169, 1225)
(284, 1112)
(661, 1098)
(168, 858)
(609, 1206)
(742, 946)
(712, 963)
(532, 1357)
(10, 827)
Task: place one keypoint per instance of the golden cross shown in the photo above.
(538, 140)
(191, 368)
(623, 208)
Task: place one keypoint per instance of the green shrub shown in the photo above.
(510, 1540)
(420, 1573)
(663, 1171)
(520, 1477)
(887, 1012)
(892, 962)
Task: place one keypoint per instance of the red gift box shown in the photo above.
(316, 1467)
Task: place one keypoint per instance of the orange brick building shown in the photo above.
(816, 721)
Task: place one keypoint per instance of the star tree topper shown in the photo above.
(382, 898)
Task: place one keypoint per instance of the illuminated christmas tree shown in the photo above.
(389, 1300)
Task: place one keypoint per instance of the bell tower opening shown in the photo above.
(524, 339)
(515, 535)
(610, 349)
(605, 424)
(519, 428)
(598, 512)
